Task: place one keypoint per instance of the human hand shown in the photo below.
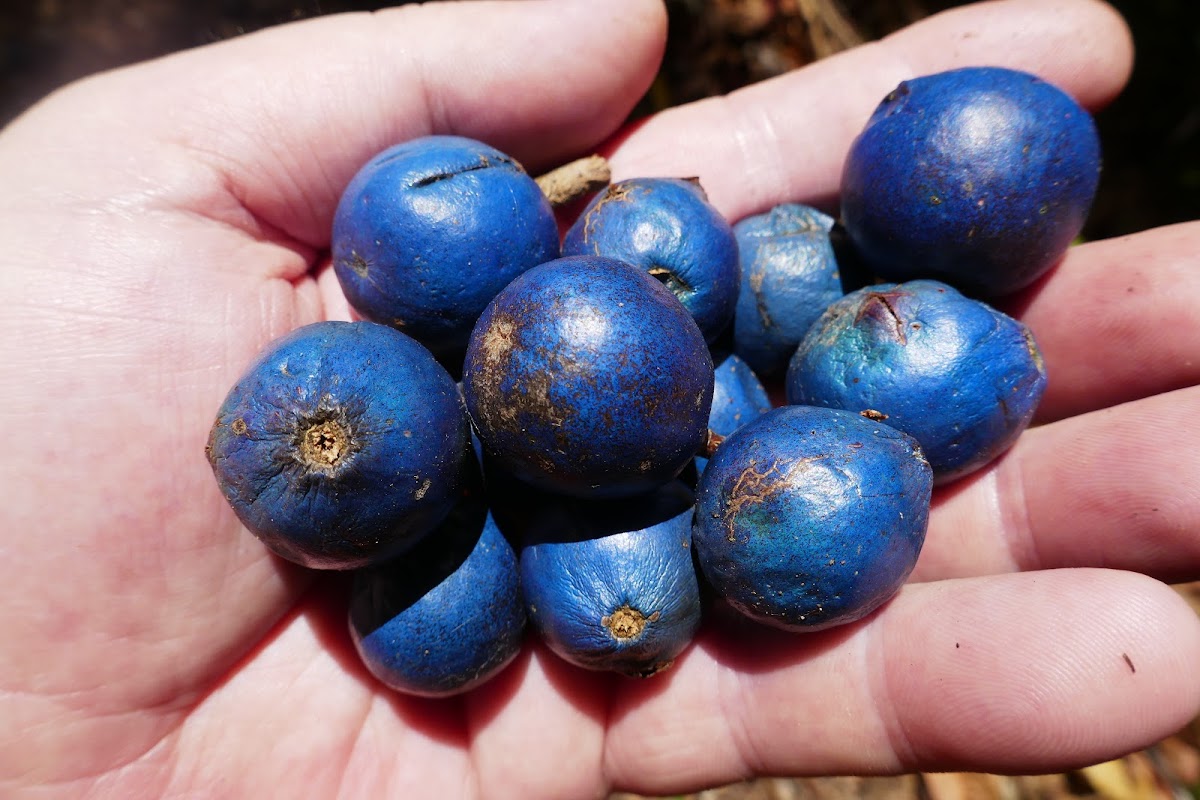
(163, 223)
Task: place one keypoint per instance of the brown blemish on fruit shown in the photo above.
(358, 264)
(760, 301)
(497, 340)
(324, 445)
(1035, 352)
(422, 489)
(872, 414)
(615, 193)
(238, 426)
(627, 622)
(879, 308)
(753, 487)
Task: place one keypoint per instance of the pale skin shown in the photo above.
(162, 223)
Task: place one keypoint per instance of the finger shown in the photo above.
(1019, 673)
(785, 139)
(136, 205)
(284, 117)
(1112, 488)
(1117, 320)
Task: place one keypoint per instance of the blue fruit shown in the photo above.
(789, 276)
(956, 374)
(587, 376)
(429, 230)
(979, 177)
(446, 616)
(808, 517)
(667, 227)
(738, 397)
(611, 585)
(341, 445)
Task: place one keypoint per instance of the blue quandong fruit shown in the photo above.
(428, 231)
(738, 397)
(789, 275)
(586, 376)
(667, 227)
(341, 445)
(809, 517)
(960, 377)
(448, 615)
(979, 177)
(611, 585)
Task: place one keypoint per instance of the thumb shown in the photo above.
(286, 116)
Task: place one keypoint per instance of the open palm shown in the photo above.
(162, 223)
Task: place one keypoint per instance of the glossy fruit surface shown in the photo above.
(810, 517)
(341, 444)
(789, 276)
(429, 230)
(611, 585)
(956, 374)
(979, 177)
(446, 616)
(587, 376)
(667, 227)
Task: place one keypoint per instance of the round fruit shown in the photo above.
(667, 227)
(341, 445)
(808, 517)
(446, 616)
(957, 375)
(789, 276)
(979, 177)
(610, 585)
(586, 376)
(429, 230)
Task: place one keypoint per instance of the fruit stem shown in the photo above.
(711, 443)
(575, 179)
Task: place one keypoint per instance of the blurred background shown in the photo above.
(1151, 139)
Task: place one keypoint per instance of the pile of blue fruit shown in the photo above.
(573, 436)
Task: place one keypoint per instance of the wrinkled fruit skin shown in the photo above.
(667, 227)
(611, 585)
(341, 444)
(738, 397)
(586, 376)
(446, 616)
(789, 276)
(811, 517)
(956, 374)
(430, 230)
(979, 177)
